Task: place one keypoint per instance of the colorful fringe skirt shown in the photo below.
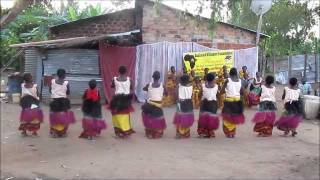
(153, 119)
(60, 117)
(265, 118)
(254, 96)
(92, 122)
(120, 107)
(184, 118)
(291, 118)
(208, 119)
(30, 117)
(232, 114)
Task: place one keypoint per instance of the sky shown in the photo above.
(189, 5)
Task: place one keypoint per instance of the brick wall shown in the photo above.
(170, 25)
(121, 21)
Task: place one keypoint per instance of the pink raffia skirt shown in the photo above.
(92, 126)
(184, 120)
(207, 124)
(30, 119)
(64, 118)
(27, 115)
(289, 122)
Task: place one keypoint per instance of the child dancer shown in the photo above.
(255, 90)
(208, 119)
(60, 114)
(152, 113)
(232, 111)
(266, 115)
(170, 84)
(31, 115)
(120, 104)
(196, 94)
(184, 116)
(222, 76)
(292, 116)
(92, 122)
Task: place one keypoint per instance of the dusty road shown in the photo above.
(245, 157)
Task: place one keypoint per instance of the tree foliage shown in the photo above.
(288, 23)
(33, 23)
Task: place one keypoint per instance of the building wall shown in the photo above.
(171, 25)
(121, 21)
(167, 25)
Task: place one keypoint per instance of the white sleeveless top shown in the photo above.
(185, 92)
(291, 94)
(122, 87)
(29, 91)
(233, 88)
(155, 94)
(268, 94)
(209, 93)
(58, 90)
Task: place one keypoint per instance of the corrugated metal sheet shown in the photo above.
(81, 65)
(77, 87)
(33, 64)
(31, 59)
(74, 61)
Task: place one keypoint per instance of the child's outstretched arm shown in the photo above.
(146, 87)
(284, 94)
(68, 89)
(112, 84)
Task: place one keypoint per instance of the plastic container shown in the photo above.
(15, 97)
(311, 106)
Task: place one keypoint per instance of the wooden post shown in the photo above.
(289, 66)
(317, 67)
(273, 64)
(305, 65)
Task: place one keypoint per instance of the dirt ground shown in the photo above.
(107, 157)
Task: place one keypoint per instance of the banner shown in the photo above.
(213, 60)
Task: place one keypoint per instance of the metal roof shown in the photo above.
(69, 42)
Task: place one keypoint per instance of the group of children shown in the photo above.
(152, 113)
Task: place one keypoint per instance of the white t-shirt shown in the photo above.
(29, 91)
(122, 87)
(185, 92)
(155, 94)
(209, 93)
(268, 94)
(58, 90)
(291, 94)
(233, 88)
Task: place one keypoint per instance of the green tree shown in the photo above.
(32, 24)
(288, 23)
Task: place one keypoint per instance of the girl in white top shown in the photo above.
(292, 116)
(184, 116)
(208, 119)
(232, 111)
(120, 104)
(265, 117)
(31, 115)
(152, 113)
(60, 114)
